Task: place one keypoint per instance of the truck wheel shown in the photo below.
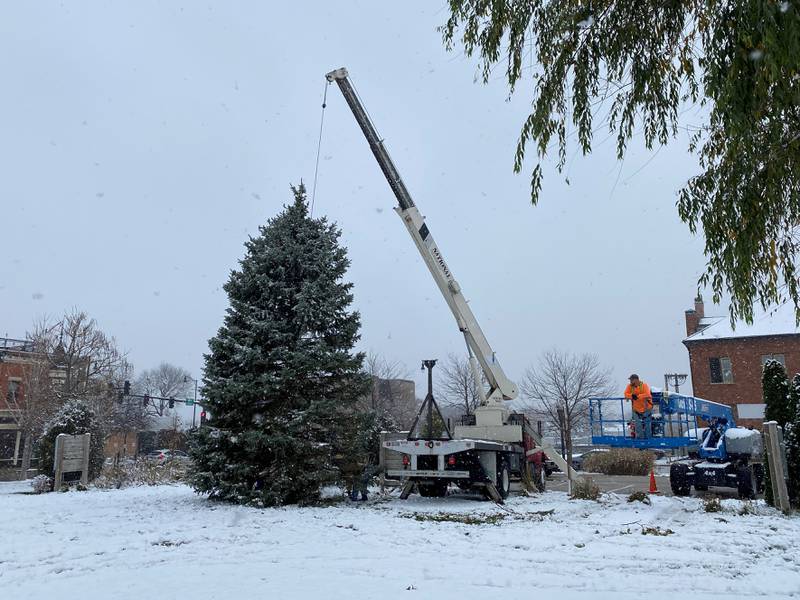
(679, 480)
(434, 489)
(503, 479)
(746, 482)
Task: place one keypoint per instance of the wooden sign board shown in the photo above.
(71, 456)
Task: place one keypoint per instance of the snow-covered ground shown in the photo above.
(165, 542)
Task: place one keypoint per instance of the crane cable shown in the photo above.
(319, 147)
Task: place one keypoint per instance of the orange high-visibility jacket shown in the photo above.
(644, 399)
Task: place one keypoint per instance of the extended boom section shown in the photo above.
(500, 387)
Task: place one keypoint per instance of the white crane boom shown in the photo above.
(500, 387)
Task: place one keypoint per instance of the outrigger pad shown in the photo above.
(429, 423)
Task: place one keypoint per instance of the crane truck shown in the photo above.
(720, 454)
(492, 446)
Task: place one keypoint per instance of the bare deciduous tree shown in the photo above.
(166, 381)
(564, 382)
(456, 385)
(391, 394)
(71, 359)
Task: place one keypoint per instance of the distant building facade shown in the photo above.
(395, 397)
(726, 363)
(16, 360)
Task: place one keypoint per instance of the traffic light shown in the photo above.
(203, 418)
(145, 400)
(126, 388)
(172, 402)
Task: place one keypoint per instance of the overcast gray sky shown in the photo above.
(143, 141)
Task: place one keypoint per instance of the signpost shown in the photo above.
(776, 453)
(71, 456)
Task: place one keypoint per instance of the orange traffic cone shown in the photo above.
(653, 488)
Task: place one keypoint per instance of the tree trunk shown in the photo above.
(568, 439)
(27, 454)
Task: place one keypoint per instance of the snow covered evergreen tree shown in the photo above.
(74, 418)
(792, 439)
(775, 388)
(281, 380)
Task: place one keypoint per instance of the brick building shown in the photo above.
(16, 359)
(726, 363)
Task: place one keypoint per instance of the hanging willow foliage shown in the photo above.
(639, 63)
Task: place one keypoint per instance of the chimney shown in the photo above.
(693, 315)
(699, 308)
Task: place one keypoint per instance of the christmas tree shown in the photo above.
(775, 388)
(281, 379)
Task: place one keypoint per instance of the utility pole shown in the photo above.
(561, 427)
(186, 378)
(677, 379)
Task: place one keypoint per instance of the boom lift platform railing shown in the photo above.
(678, 421)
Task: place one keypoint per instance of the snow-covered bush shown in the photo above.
(776, 390)
(620, 461)
(42, 484)
(585, 489)
(74, 418)
(792, 439)
(712, 504)
(141, 472)
(642, 497)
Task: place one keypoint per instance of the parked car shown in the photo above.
(164, 455)
(577, 459)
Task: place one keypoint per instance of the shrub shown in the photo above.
(141, 472)
(620, 461)
(42, 484)
(585, 489)
(74, 418)
(639, 497)
(712, 504)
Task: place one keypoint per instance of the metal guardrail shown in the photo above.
(674, 421)
(16, 345)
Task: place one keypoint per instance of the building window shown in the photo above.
(721, 370)
(779, 357)
(13, 395)
(750, 411)
(8, 444)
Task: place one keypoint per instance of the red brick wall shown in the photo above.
(10, 370)
(745, 355)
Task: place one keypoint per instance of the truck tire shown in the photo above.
(503, 483)
(679, 480)
(436, 489)
(746, 482)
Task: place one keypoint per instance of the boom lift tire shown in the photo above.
(679, 480)
(746, 482)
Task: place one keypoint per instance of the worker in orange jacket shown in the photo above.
(638, 392)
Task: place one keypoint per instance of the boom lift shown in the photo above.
(720, 453)
(488, 448)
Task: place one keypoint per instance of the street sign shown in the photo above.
(189, 401)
